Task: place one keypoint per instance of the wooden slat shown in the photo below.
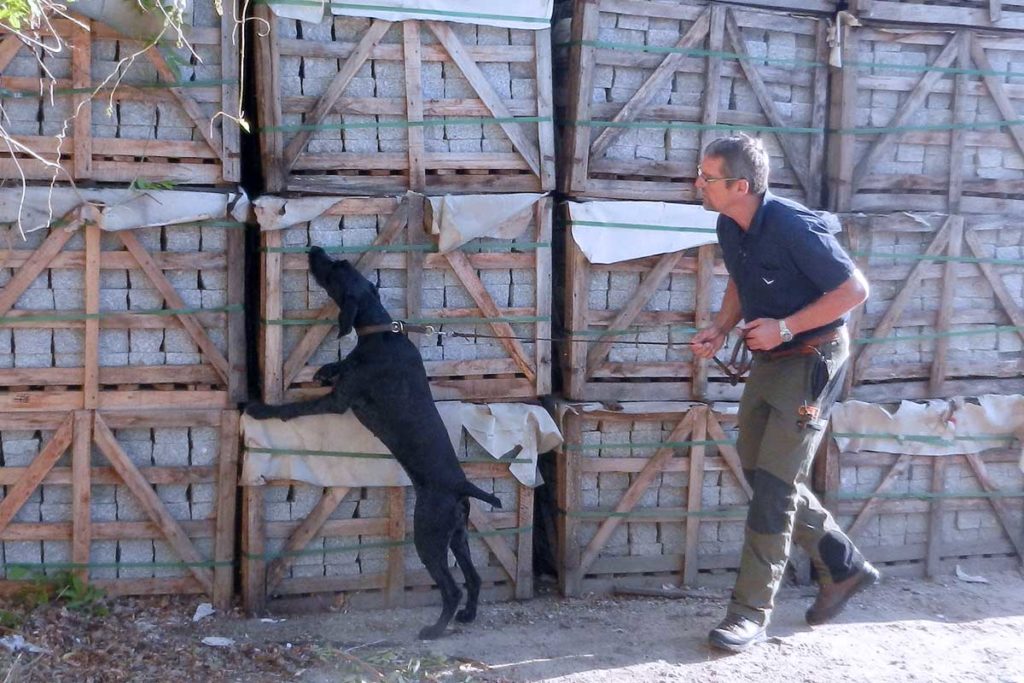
(154, 507)
(568, 474)
(268, 96)
(174, 300)
(728, 453)
(655, 82)
(545, 108)
(702, 314)
(523, 144)
(341, 80)
(471, 281)
(819, 115)
(909, 107)
(946, 304)
(996, 89)
(694, 491)
(651, 282)
(895, 472)
(209, 133)
(272, 352)
(585, 27)
(414, 103)
(91, 359)
(524, 544)
(1006, 300)
(636, 490)
(81, 104)
(230, 151)
(899, 302)
(9, 48)
(999, 506)
(764, 97)
(34, 473)
(254, 563)
(238, 371)
(227, 488)
(302, 535)
(935, 514)
(395, 587)
(542, 303)
(81, 487)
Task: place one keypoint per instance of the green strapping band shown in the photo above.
(422, 321)
(923, 438)
(233, 308)
(358, 454)
(738, 514)
(116, 565)
(647, 444)
(371, 545)
(686, 125)
(641, 226)
(632, 330)
(939, 258)
(689, 52)
(27, 94)
(952, 70)
(406, 10)
(939, 335)
(405, 123)
(927, 495)
(405, 248)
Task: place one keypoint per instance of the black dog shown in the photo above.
(384, 383)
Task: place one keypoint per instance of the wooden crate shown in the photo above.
(650, 494)
(944, 317)
(88, 312)
(672, 76)
(359, 106)
(915, 515)
(354, 545)
(500, 289)
(923, 121)
(664, 298)
(151, 118)
(138, 502)
(998, 14)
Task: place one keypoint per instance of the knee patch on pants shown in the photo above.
(771, 503)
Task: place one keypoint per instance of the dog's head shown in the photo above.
(345, 285)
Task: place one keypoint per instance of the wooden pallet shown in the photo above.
(667, 107)
(152, 118)
(668, 509)
(930, 130)
(941, 325)
(352, 547)
(664, 297)
(83, 493)
(82, 315)
(913, 515)
(990, 14)
(412, 105)
(508, 282)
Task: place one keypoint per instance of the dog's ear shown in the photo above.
(347, 316)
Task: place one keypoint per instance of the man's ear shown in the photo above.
(346, 316)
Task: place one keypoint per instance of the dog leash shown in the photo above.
(402, 327)
(739, 362)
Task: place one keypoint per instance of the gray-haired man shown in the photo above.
(793, 284)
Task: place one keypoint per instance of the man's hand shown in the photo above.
(707, 341)
(762, 334)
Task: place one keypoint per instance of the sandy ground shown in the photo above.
(901, 630)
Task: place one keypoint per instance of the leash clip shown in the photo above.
(397, 326)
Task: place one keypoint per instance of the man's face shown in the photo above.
(716, 193)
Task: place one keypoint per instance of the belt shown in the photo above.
(804, 347)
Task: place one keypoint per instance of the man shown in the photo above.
(793, 285)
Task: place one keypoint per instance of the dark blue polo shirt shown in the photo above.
(784, 261)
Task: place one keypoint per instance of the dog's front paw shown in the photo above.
(431, 632)
(327, 374)
(261, 411)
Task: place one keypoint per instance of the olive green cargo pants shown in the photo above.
(776, 452)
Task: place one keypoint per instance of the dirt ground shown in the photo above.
(901, 630)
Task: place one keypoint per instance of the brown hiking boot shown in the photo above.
(736, 633)
(832, 598)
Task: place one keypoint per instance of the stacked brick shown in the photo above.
(646, 86)
(925, 169)
(370, 117)
(122, 350)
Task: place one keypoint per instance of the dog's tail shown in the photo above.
(468, 489)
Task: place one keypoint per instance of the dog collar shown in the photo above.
(396, 326)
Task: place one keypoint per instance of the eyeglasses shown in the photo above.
(706, 179)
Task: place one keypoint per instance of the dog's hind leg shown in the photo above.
(433, 523)
(460, 548)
